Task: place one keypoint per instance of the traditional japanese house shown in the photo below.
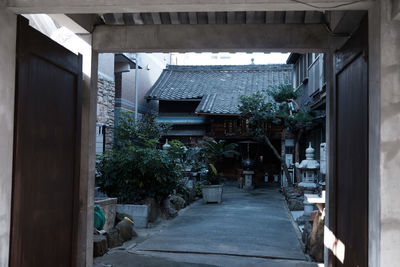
(309, 76)
(203, 101)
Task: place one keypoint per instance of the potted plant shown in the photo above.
(214, 152)
(212, 185)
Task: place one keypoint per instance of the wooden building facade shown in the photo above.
(203, 101)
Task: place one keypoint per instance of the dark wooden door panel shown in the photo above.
(46, 152)
(352, 150)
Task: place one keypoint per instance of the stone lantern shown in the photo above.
(166, 146)
(308, 169)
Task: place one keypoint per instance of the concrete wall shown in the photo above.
(7, 87)
(384, 138)
(152, 66)
(389, 136)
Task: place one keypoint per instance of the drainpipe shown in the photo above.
(136, 86)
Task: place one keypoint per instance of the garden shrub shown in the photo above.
(136, 173)
(135, 169)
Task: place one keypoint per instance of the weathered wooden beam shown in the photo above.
(183, 17)
(128, 19)
(269, 17)
(345, 22)
(192, 18)
(221, 17)
(211, 17)
(114, 18)
(396, 9)
(198, 38)
(137, 18)
(134, 6)
(231, 19)
(165, 19)
(250, 17)
(156, 18)
(313, 17)
(255, 17)
(259, 17)
(202, 18)
(275, 17)
(294, 17)
(174, 17)
(147, 18)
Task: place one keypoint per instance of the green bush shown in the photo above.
(136, 173)
(177, 150)
(213, 177)
(198, 189)
(145, 132)
(135, 169)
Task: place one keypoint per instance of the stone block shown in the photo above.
(306, 236)
(108, 206)
(113, 238)
(125, 229)
(99, 245)
(139, 213)
(154, 209)
(177, 202)
(169, 212)
(295, 204)
(317, 238)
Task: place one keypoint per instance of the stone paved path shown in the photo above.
(247, 229)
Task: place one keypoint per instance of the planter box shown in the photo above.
(139, 213)
(108, 206)
(212, 193)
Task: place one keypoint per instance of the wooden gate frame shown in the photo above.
(89, 118)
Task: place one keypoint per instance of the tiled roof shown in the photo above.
(218, 87)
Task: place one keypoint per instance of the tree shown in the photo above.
(277, 106)
(135, 170)
(145, 132)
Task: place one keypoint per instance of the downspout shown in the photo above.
(136, 86)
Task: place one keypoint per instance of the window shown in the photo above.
(230, 127)
(300, 71)
(317, 76)
(311, 57)
(244, 127)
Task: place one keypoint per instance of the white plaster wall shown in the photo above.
(106, 65)
(152, 66)
(156, 63)
(390, 137)
(7, 87)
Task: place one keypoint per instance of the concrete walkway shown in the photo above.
(247, 229)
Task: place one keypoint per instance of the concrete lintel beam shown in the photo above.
(77, 23)
(129, 6)
(214, 38)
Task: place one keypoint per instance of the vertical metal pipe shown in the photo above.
(136, 86)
